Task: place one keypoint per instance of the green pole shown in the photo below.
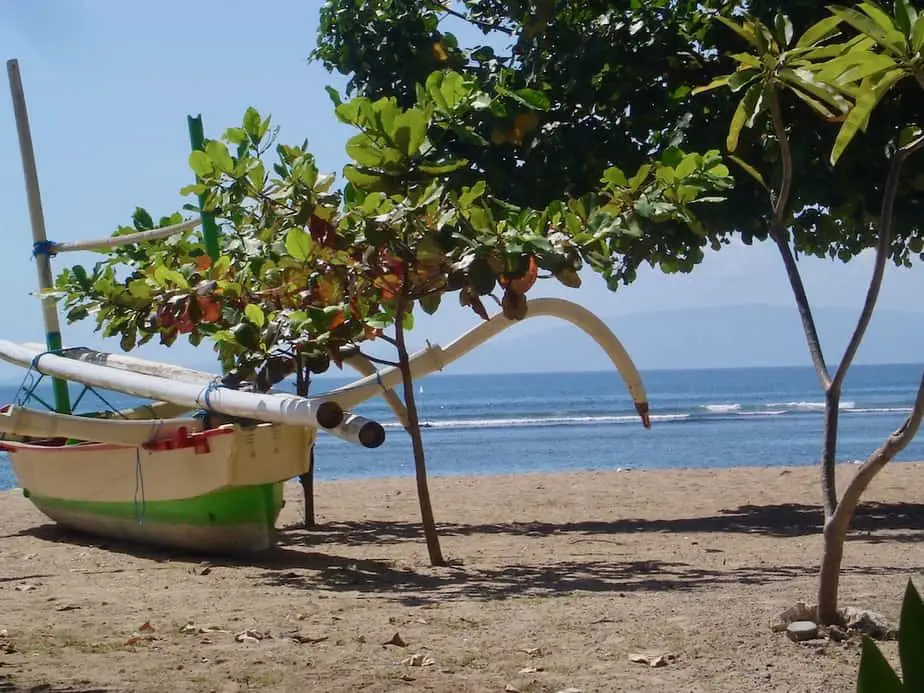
(209, 228)
(41, 248)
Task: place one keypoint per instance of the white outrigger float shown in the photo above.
(157, 474)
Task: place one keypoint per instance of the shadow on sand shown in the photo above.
(296, 562)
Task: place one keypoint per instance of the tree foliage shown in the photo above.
(619, 80)
(307, 270)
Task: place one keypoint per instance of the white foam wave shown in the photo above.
(520, 422)
(808, 406)
(722, 408)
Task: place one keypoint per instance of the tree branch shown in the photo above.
(886, 216)
(381, 362)
(778, 232)
(893, 445)
(439, 6)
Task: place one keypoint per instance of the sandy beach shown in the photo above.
(555, 581)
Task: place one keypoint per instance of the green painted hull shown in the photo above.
(233, 520)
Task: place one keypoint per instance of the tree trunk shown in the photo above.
(829, 453)
(413, 429)
(302, 385)
(307, 480)
(835, 531)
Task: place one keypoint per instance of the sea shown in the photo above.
(555, 422)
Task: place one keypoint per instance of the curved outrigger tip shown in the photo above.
(642, 409)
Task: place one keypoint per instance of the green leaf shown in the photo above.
(298, 244)
(742, 78)
(809, 83)
(636, 181)
(614, 176)
(854, 67)
(410, 131)
(219, 155)
(365, 151)
(876, 675)
(911, 639)
(251, 123)
(905, 17)
(532, 98)
(858, 117)
(445, 167)
(714, 84)
(750, 170)
(255, 314)
(200, 163)
(430, 303)
(892, 40)
(746, 111)
(783, 27)
(819, 31)
(334, 95)
(917, 34)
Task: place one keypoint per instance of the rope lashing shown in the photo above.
(49, 248)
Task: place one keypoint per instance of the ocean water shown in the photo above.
(500, 424)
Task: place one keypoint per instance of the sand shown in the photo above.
(556, 580)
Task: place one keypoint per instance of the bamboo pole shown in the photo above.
(209, 229)
(126, 238)
(39, 238)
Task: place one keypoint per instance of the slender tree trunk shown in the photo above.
(829, 452)
(839, 514)
(302, 385)
(835, 531)
(413, 428)
(307, 480)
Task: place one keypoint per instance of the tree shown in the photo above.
(618, 79)
(309, 274)
(845, 82)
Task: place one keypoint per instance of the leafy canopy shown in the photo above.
(619, 79)
(308, 271)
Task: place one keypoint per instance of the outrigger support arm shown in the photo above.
(434, 357)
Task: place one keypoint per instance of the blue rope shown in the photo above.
(49, 248)
(206, 395)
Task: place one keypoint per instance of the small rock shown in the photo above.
(800, 611)
(510, 688)
(653, 660)
(66, 607)
(419, 660)
(799, 631)
(869, 623)
(837, 634)
(533, 651)
(25, 587)
(570, 689)
(531, 670)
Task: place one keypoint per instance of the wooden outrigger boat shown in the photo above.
(161, 475)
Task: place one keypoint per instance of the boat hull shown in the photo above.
(236, 520)
(214, 492)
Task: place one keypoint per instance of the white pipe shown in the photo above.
(366, 367)
(20, 421)
(354, 428)
(128, 238)
(435, 358)
(312, 412)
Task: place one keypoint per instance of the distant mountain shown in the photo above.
(714, 337)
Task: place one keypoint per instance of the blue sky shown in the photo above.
(109, 85)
